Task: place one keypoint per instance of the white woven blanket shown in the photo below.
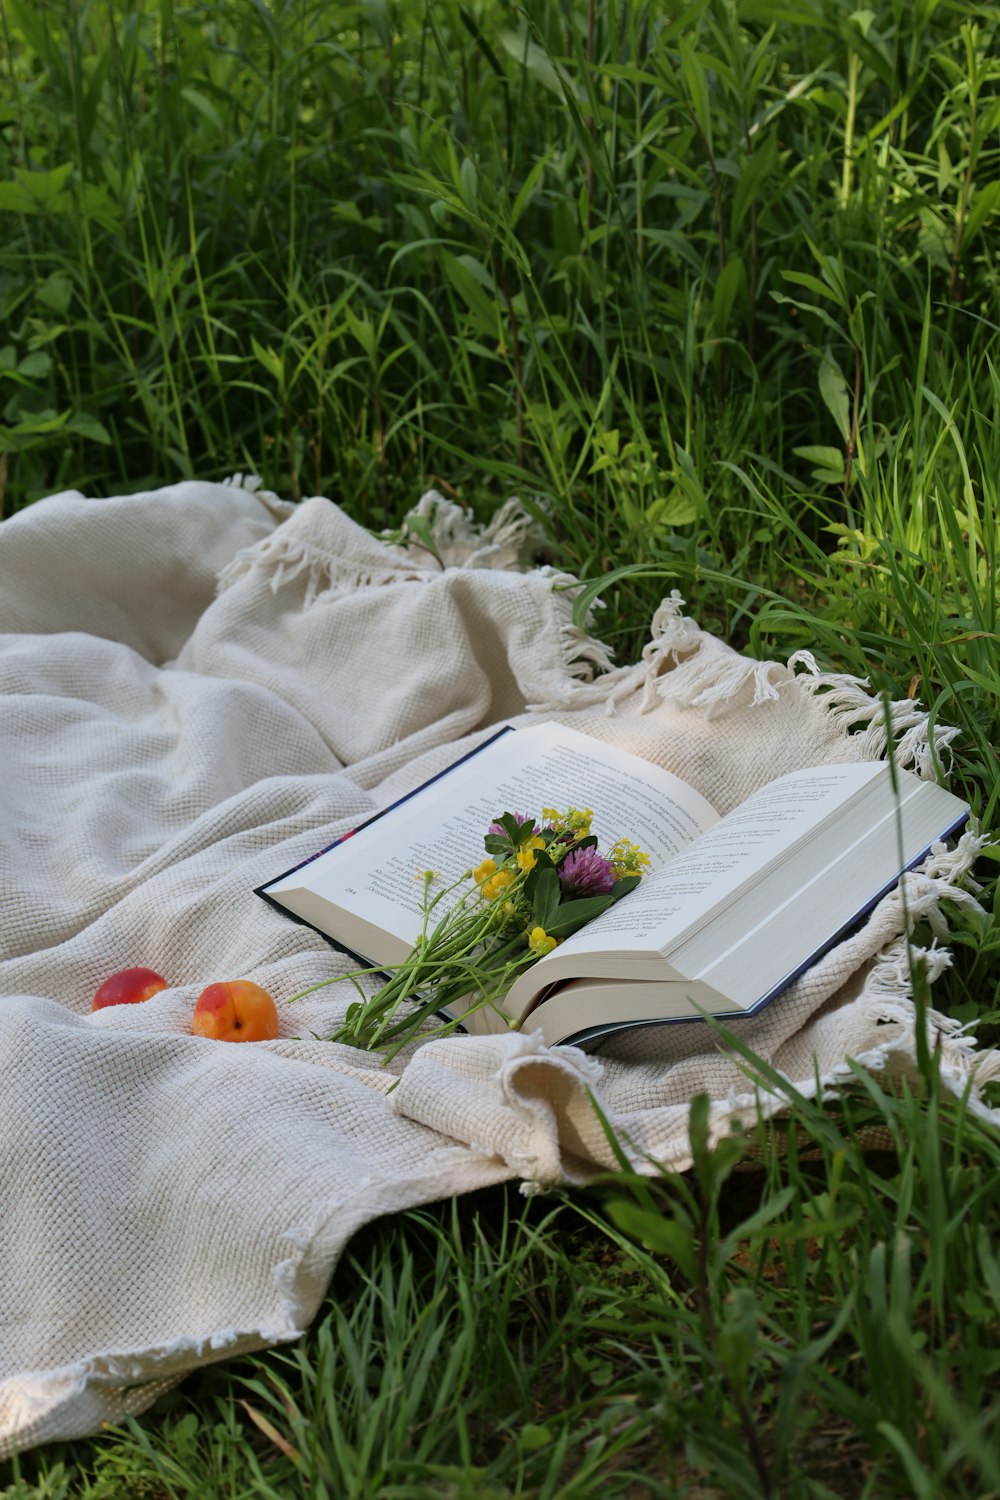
(167, 1200)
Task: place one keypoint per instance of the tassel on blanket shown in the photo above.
(286, 558)
(512, 540)
(582, 653)
(914, 744)
(889, 1015)
(706, 673)
(887, 996)
(683, 663)
(450, 539)
(944, 876)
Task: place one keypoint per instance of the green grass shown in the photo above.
(715, 292)
(821, 1325)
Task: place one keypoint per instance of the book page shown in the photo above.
(676, 899)
(823, 887)
(375, 872)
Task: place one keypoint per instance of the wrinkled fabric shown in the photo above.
(169, 742)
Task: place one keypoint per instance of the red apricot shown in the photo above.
(129, 987)
(235, 1010)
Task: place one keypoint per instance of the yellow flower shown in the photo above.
(509, 908)
(526, 853)
(579, 820)
(628, 859)
(484, 871)
(492, 887)
(574, 820)
(539, 941)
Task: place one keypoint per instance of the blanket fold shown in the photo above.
(201, 687)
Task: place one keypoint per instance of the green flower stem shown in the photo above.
(451, 949)
(485, 979)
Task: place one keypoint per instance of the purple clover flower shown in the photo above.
(584, 872)
(521, 818)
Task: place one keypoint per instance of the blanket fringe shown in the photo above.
(915, 743)
(887, 997)
(581, 653)
(511, 540)
(507, 542)
(684, 664)
(888, 989)
(886, 1002)
(287, 558)
(680, 662)
(944, 876)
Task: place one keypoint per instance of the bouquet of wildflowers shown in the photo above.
(541, 880)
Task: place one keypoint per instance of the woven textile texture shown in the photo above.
(203, 686)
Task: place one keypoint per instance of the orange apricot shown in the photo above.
(235, 1010)
(129, 987)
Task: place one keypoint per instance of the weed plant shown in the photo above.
(715, 291)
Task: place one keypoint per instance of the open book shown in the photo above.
(733, 909)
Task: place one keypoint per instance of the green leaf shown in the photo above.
(45, 187)
(35, 365)
(533, 1436)
(698, 1128)
(469, 181)
(809, 307)
(656, 1232)
(623, 885)
(835, 394)
(985, 203)
(516, 833)
(574, 914)
(671, 511)
(697, 87)
(468, 286)
(853, 33)
(87, 426)
(362, 329)
(537, 62)
(755, 173)
(36, 192)
(527, 189)
(542, 862)
(32, 430)
(204, 107)
(731, 282)
(13, 200)
(737, 1338)
(423, 530)
(592, 588)
(545, 899)
(813, 284)
(55, 292)
(272, 361)
(760, 1224)
(828, 463)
